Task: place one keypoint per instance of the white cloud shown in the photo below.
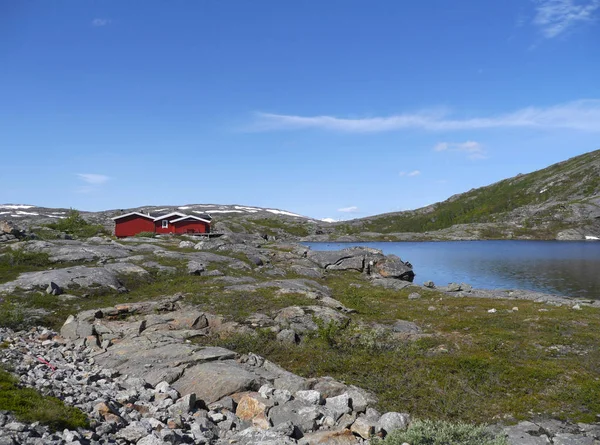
(93, 178)
(412, 173)
(582, 115)
(351, 209)
(554, 17)
(101, 22)
(474, 150)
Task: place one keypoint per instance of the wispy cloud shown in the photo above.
(98, 22)
(93, 178)
(351, 209)
(555, 17)
(474, 150)
(410, 174)
(582, 115)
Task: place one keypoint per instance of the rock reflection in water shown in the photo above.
(559, 267)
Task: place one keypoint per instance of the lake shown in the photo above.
(558, 267)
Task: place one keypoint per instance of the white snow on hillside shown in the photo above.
(15, 206)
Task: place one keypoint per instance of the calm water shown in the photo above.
(564, 268)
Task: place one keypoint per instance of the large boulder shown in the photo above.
(392, 266)
(346, 259)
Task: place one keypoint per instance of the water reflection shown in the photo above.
(566, 268)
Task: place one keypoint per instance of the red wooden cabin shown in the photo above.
(133, 223)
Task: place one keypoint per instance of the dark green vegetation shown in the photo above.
(30, 406)
(14, 262)
(145, 235)
(554, 189)
(74, 224)
(426, 432)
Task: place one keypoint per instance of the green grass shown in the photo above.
(145, 235)
(426, 432)
(29, 406)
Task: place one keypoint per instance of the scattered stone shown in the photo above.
(393, 421)
(287, 336)
(310, 397)
(195, 268)
(53, 289)
(454, 287)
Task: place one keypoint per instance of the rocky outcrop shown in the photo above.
(10, 232)
(90, 278)
(145, 383)
(363, 259)
(125, 409)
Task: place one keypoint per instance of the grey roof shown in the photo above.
(197, 215)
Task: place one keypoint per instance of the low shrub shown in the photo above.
(428, 432)
(75, 224)
(145, 235)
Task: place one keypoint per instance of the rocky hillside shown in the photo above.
(561, 201)
(226, 218)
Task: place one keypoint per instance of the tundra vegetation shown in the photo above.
(468, 365)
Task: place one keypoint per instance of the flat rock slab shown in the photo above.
(215, 380)
(75, 277)
(72, 250)
(309, 288)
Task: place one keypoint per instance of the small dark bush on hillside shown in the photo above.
(145, 235)
(74, 224)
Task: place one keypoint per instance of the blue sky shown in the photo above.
(337, 108)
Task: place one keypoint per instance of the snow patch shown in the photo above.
(58, 213)
(4, 213)
(329, 220)
(282, 212)
(249, 209)
(543, 190)
(15, 206)
(55, 216)
(222, 211)
(16, 216)
(592, 238)
(182, 208)
(20, 212)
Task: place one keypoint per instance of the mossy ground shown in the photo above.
(27, 405)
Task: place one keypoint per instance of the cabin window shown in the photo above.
(165, 224)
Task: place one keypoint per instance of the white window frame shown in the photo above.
(165, 223)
